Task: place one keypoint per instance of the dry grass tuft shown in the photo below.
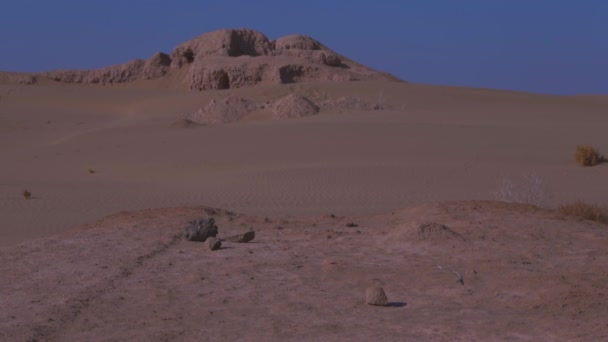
(587, 155)
(586, 211)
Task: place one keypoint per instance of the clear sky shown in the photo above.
(549, 46)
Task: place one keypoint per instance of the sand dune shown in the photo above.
(434, 143)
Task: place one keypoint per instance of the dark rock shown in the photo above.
(242, 238)
(214, 243)
(201, 229)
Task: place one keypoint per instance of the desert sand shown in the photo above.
(118, 165)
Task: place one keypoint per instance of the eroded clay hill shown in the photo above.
(231, 58)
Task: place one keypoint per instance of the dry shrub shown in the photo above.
(587, 155)
(586, 211)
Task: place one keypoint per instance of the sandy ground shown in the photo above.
(528, 275)
(433, 143)
(439, 152)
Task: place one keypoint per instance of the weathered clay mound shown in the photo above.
(347, 103)
(307, 48)
(293, 73)
(293, 106)
(297, 42)
(157, 66)
(228, 43)
(229, 109)
(232, 58)
(119, 73)
(213, 74)
(18, 78)
(431, 231)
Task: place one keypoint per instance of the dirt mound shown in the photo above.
(226, 110)
(232, 109)
(293, 106)
(347, 103)
(432, 232)
(232, 58)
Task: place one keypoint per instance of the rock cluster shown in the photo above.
(205, 230)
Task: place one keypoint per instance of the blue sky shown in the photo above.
(549, 46)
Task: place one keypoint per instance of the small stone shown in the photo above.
(214, 243)
(375, 296)
(242, 238)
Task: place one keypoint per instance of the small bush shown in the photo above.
(586, 211)
(587, 155)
